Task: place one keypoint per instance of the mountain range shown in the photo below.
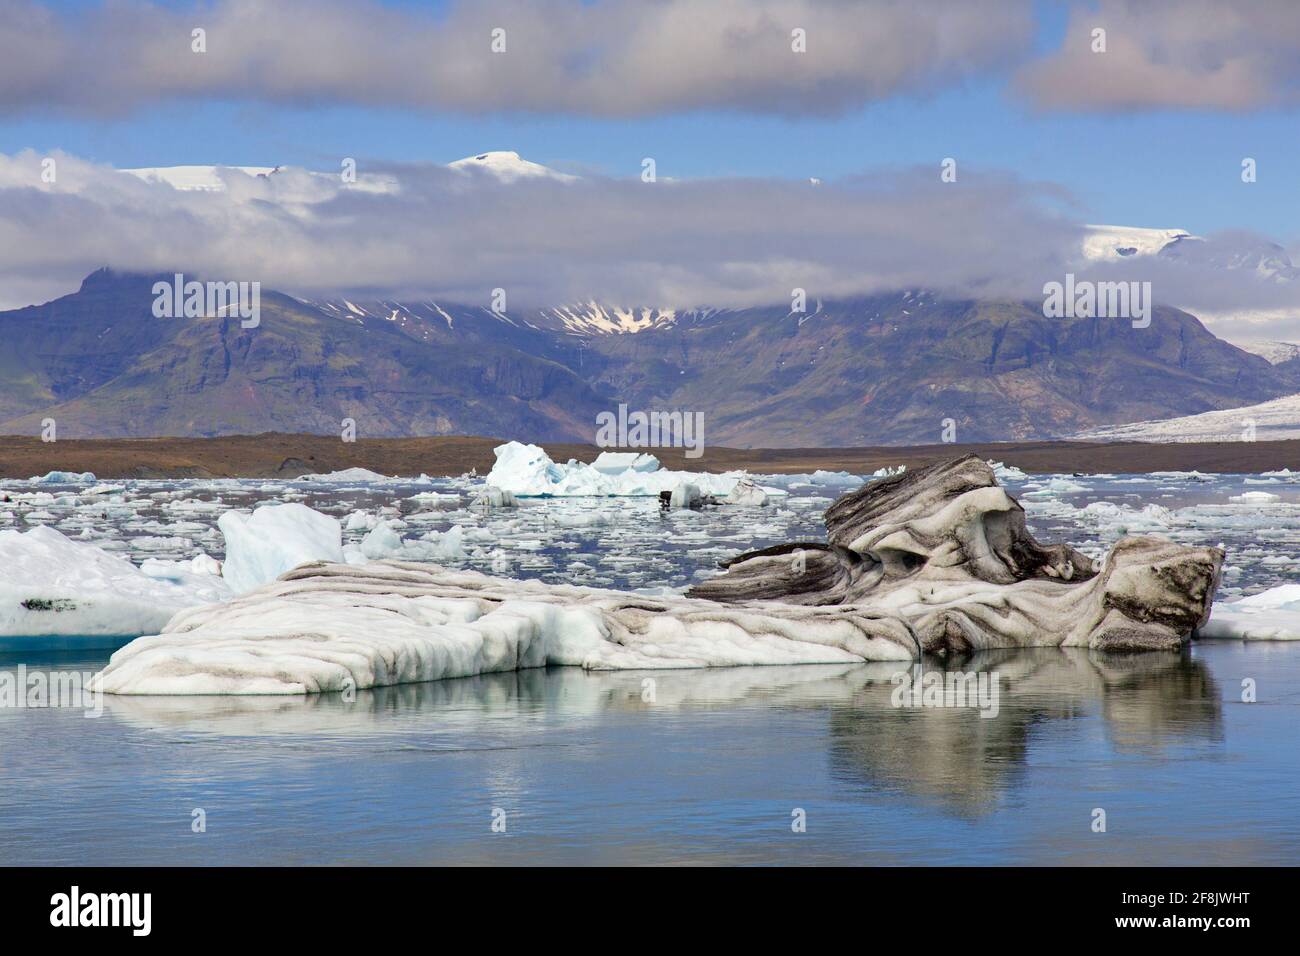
(903, 368)
(891, 369)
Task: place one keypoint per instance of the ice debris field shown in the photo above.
(91, 564)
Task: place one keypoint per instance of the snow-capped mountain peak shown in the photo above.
(508, 166)
(1119, 242)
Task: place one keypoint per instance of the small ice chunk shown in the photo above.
(494, 497)
(746, 494)
(685, 495)
(381, 542)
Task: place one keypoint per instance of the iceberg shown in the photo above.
(746, 494)
(332, 627)
(346, 475)
(275, 539)
(1007, 472)
(528, 472)
(64, 478)
(55, 587)
(1255, 497)
(1272, 615)
(685, 495)
(936, 561)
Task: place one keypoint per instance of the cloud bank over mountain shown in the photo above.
(458, 233)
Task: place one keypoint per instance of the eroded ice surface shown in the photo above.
(630, 543)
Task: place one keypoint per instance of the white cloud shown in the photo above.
(612, 58)
(1172, 54)
(453, 235)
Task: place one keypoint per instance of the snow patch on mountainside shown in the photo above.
(596, 318)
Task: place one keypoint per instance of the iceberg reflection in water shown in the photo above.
(695, 766)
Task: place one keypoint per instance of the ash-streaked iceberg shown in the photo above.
(336, 627)
(934, 561)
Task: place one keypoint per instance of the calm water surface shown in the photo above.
(587, 770)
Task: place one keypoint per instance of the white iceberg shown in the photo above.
(1007, 472)
(528, 472)
(64, 478)
(348, 476)
(1255, 497)
(384, 542)
(1272, 615)
(747, 494)
(275, 539)
(56, 587)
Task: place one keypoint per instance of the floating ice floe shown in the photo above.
(1255, 497)
(1272, 615)
(56, 587)
(945, 550)
(383, 541)
(528, 472)
(934, 561)
(347, 476)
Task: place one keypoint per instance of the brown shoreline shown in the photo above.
(277, 455)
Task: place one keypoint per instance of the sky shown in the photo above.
(1173, 167)
(1151, 131)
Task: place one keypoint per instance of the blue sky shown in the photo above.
(1161, 167)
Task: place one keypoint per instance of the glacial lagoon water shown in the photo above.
(681, 767)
